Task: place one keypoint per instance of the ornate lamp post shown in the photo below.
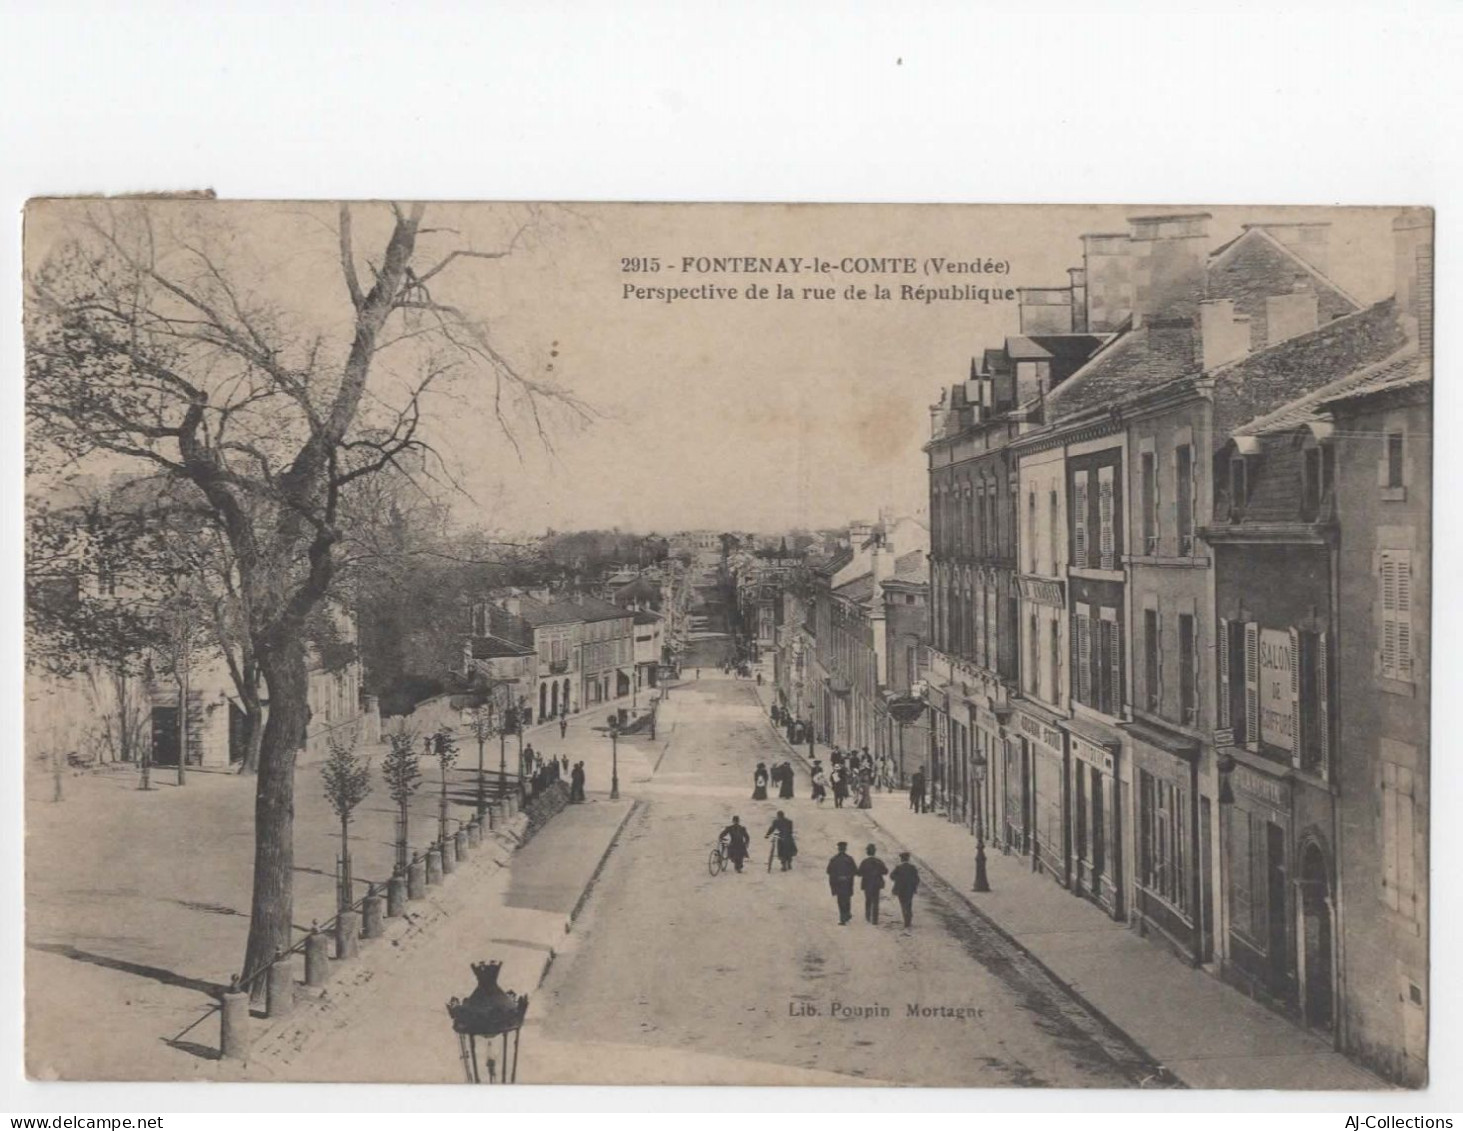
(905, 709)
(615, 757)
(978, 763)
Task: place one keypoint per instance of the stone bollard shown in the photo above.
(396, 895)
(475, 832)
(234, 1035)
(448, 849)
(317, 957)
(490, 817)
(347, 934)
(416, 879)
(463, 841)
(434, 865)
(371, 914)
(279, 987)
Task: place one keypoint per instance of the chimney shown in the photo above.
(1077, 279)
(1312, 242)
(1412, 235)
(1289, 316)
(1170, 266)
(1107, 275)
(1225, 335)
(1045, 310)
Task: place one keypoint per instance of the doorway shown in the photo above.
(165, 736)
(1315, 896)
(1275, 899)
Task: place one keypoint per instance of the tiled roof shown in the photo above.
(913, 567)
(495, 647)
(861, 588)
(1265, 382)
(537, 614)
(1136, 363)
(644, 617)
(1275, 485)
(593, 609)
(834, 562)
(1401, 369)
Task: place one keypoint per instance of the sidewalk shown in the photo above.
(1205, 1032)
(384, 1017)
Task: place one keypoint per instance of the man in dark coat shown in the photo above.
(917, 791)
(737, 841)
(785, 793)
(576, 783)
(839, 783)
(841, 871)
(871, 872)
(787, 847)
(905, 881)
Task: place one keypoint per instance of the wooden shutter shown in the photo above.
(1296, 751)
(1115, 660)
(1395, 567)
(1404, 615)
(1084, 657)
(1105, 517)
(1224, 714)
(1389, 834)
(1252, 685)
(1323, 705)
(1079, 520)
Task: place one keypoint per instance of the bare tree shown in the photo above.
(148, 338)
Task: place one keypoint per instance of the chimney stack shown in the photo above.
(1107, 275)
(1225, 336)
(1077, 279)
(1046, 310)
(1412, 235)
(1169, 272)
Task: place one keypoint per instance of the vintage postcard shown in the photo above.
(959, 646)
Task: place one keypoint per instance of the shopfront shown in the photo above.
(1095, 799)
(1257, 836)
(1168, 884)
(1044, 777)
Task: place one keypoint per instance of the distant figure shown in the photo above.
(871, 872)
(698, 673)
(736, 840)
(759, 782)
(785, 793)
(917, 791)
(841, 871)
(576, 782)
(819, 783)
(905, 880)
(563, 726)
(839, 781)
(759, 679)
(787, 847)
(564, 764)
(864, 800)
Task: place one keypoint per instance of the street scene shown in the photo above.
(985, 668)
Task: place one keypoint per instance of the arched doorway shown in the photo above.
(564, 700)
(1319, 1003)
(543, 698)
(553, 698)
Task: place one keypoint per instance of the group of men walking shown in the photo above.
(541, 772)
(870, 872)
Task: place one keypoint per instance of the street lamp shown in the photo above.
(978, 763)
(905, 709)
(615, 757)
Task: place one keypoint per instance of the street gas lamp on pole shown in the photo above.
(615, 757)
(978, 763)
(905, 709)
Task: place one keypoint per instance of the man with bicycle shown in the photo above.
(783, 844)
(735, 842)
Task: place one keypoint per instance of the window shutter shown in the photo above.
(1084, 657)
(1079, 520)
(1115, 658)
(1406, 886)
(1225, 721)
(1323, 705)
(1388, 580)
(1105, 516)
(1404, 615)
(1252, 684)
(1389, 834)
(1296, 749)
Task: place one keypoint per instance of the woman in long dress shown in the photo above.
(785, 793)
(820, 779)
(759, 782)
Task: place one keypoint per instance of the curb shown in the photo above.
(614, 843)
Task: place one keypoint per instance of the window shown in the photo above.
(1188, 671)
(1033, 680)
(1184, 497)
(1082, 655)
(1395, 582)
(1079, 520)
(1109, 664)
(1399, 883)
(1149, 487)
(1238, 488)
(1249, 907)
(1164, 830)
(1395, 452)
(911, 664)
(1151, 664)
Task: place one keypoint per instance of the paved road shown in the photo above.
(750, 977)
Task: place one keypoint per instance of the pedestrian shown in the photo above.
(563, 726)
(576, 783)
(785, 794)
(786, 846)
(564, 764)
(871, 872)
(864, 800)
(917, 791)
(698, 673)
(819, 783)
(905, 880)
(839, 782)
(759, 782)
(759, 679)
(737, 842)
(841, 871)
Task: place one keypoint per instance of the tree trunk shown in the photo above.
(253, 733)
(271, 910)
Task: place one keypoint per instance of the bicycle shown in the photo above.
(772, 852)
(716, 862)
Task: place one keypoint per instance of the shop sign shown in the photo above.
(1038, 731)
(1096, 755)
(1041, 591)
(1277, 672)
(1259, 787)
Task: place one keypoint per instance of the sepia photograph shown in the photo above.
(834, 645)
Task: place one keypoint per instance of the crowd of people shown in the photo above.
(540, 772)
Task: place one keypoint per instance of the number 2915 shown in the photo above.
(637, 264)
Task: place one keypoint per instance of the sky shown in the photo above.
(747, 413)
